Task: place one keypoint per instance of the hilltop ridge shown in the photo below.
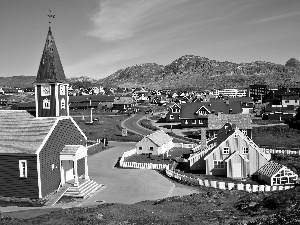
(195, 72)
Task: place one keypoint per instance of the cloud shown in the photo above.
(119, 19)
(282, 16)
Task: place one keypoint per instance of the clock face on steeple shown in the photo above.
(46, 90)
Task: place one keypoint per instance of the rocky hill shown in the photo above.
(195, 72)
(17, 81)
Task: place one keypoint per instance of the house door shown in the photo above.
(68, 170)
(237, 170)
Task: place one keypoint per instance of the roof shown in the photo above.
(50, 69)
(236, 153)
(159, 138)
(70, 149)
(242, 121)
(241, 99)
(189, 110)
(20, 132)
(123, 100)
(93, 98)
(271, 168)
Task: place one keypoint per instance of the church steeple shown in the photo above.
(50, 69)
(51, 89)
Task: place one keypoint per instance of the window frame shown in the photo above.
(63, 103)
(62, 90)
(194, 121)
(23, 168)
(219, 164)
(245, 150)
(140, 148)
(151, 148)
(171, 117)
(225, 150)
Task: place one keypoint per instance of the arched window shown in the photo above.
(63, 103)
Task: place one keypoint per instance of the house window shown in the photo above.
(200, 121)
(202, 113)
(244, 132)
(23, 168)
(235, 135)
(175, 110)
(178, 116)
(225, 150)
(151, 148)
(63, 103)
(194, 121)
(219, 164)
(186, 122)
(245, 150)
(46, 103)
(52, 166)
(296, 101)
(171, 117)
(140, 148)
(287, 101)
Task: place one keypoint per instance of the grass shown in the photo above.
(108, 126)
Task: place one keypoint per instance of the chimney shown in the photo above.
(203, 137)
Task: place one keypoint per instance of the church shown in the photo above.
(38, 154)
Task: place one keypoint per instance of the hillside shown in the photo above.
(195, 72)
(17, 81)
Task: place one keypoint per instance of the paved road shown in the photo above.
(127, 185)
(132, 125)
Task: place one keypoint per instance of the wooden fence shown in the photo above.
(282, 151)
(225, 185)
(147, 166)
(127, 154)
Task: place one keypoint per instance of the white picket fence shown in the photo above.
(127, 154)
(225, 185)
(181, 145)
(281, 151)
(147, 166)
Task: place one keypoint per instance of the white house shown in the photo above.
(156, 143)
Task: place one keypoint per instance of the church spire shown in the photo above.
(50, 69)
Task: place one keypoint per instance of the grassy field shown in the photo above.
(108, 126)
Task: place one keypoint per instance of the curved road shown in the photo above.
(127, 185)
(132, 125)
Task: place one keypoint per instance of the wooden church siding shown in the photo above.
(65, 133)
(81, 166)
(11, 184)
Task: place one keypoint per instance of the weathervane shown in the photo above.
(50, 16)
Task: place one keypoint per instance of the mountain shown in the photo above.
(293, 63)
(17, 81)
(195, 72)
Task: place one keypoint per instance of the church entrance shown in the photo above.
(67, 170)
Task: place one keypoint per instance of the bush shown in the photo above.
(148, 125)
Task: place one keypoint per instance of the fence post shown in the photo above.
(230, 186)
(268, 188)
(222, 185)
(254, 188)
(261, 188)
(213, 183)
(206, 183)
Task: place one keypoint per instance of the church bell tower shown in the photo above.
(51, 89)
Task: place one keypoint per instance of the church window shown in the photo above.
(46, 103)
(63, 103)
(23, 168)
(62, 90)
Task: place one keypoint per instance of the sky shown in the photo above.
(95, 38)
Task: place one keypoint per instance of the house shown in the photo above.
(290, 98)
(274, 173)
(232, 154)
(13, 99)
(173, 115)
(156, 143)
(3, 99)
(123, 104)
(247, 103)
(195, 114)
(32, 161)
(257, 92)
(278, 112)
(88, 101)
(216, 122)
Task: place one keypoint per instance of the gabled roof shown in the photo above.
(236, 153)
(188, 110)
(50, 69)
(202, 108)
(20, 132)
(242, 121)
(159, 138)
(271, 168)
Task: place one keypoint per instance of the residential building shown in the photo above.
(257, 92)
(156, 143)
(173, 115)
